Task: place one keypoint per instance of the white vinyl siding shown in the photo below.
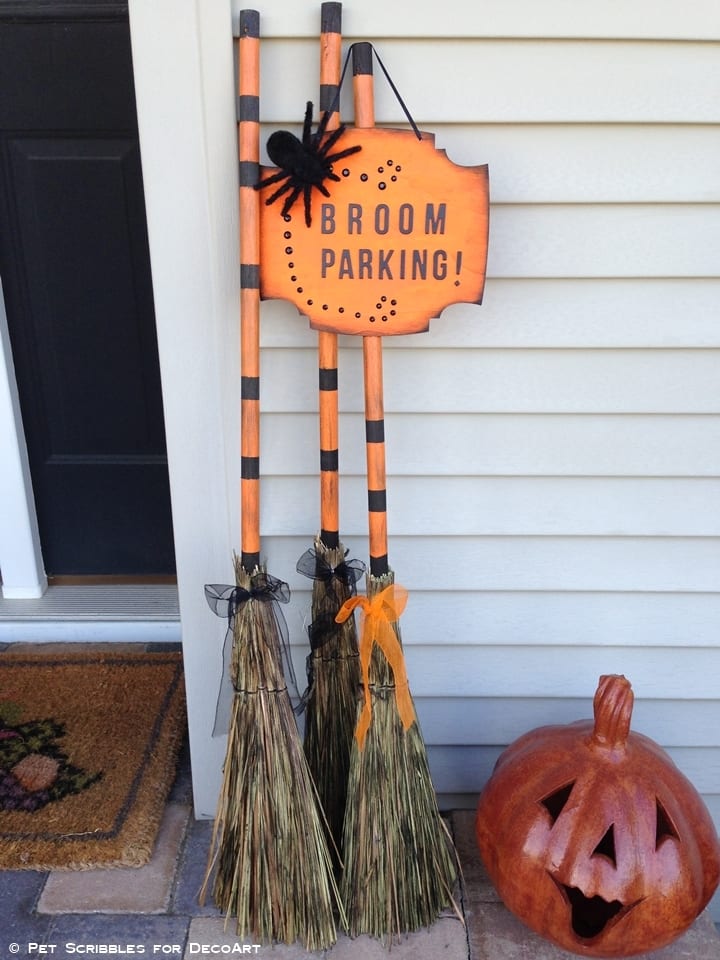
(575, 19)
(553, 455)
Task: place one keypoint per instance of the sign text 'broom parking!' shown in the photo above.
(385, 263)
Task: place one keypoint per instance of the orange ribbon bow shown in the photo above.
(379, 615)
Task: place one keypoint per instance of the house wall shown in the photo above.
(553, 455)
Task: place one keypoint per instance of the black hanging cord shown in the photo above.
(336, 101)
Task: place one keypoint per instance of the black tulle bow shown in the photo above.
(225, 601)
(311, 564)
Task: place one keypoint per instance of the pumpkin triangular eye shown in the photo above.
(664, 827)
(555, 802)
(606, 847)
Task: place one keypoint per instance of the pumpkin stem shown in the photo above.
(612, 707)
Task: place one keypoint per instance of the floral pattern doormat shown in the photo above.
(88, 753)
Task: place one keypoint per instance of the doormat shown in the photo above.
(88, 753)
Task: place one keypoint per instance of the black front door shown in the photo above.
(76, 278)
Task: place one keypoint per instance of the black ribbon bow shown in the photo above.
(311, 564)
(225, 601)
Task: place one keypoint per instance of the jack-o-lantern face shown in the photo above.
(594, 838)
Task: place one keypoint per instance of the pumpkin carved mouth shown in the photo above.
(589, 916)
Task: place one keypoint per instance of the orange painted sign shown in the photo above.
(402, 235)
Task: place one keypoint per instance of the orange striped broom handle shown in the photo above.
(330, 57)
(372, 354)
(249, 157)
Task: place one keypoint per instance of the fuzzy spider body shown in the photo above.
(304, 164)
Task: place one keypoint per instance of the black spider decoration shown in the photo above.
(305, 163)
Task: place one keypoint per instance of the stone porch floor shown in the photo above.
(153, 911)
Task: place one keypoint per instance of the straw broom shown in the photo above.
(274, 871)
(333, 679)
(269, 848)
(399, 862)
(333, 671)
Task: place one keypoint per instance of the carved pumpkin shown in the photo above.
(594, 838)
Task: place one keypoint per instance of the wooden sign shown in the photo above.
(402, 234)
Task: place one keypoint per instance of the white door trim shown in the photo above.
(21, 564)
(183, 65)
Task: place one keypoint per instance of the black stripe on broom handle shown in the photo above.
(330, 60)
(330, 30)
(249, 168)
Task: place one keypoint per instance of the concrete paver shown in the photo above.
(141, 890)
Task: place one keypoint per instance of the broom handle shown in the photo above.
(330, 57)
(249, 157)
(372, 355)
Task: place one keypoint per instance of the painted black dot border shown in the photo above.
(383, 303)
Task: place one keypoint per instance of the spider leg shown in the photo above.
(308, 195)
(332, 138)
(307, 125)
(322, 126)
(343, 153)
(289, 201)
(289, 185)
(275, 178)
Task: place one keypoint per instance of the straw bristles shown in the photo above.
(400, 864)
(331, 711)
(274, 870)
